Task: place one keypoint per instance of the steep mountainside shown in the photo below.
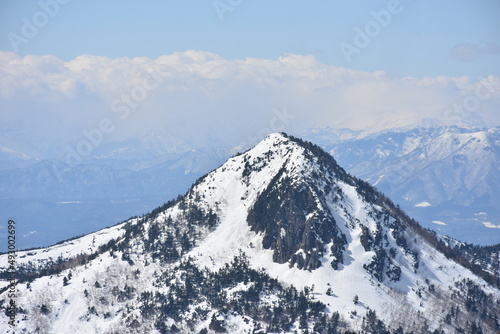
(448, 177)
(279, 239)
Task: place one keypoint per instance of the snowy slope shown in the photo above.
(349, 214)
(278, 238)
(446, 177)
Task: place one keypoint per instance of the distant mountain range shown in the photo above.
(445, 177)
(448, 178)
(54, 201)
(279, 239)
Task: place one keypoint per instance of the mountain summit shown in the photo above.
(279, 239)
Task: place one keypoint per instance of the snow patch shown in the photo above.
(379, 179)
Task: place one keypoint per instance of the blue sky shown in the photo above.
(426, 38)
(225, 66)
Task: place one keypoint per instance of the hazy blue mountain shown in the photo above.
(448, 178)
(52, 200)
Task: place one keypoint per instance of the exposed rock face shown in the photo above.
(295, 229)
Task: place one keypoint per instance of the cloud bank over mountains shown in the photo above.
(50, 103)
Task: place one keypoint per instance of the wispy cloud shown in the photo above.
(471, 52)
(438, 222)
(30, 233)
(490, 225)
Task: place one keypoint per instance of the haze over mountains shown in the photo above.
(446, 177)
(144, 129)
(278, 239)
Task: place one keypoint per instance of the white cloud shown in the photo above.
(438, 222)
(490, 225)
(48, 100)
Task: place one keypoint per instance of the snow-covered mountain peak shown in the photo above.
(278, 239)
(252, 170)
